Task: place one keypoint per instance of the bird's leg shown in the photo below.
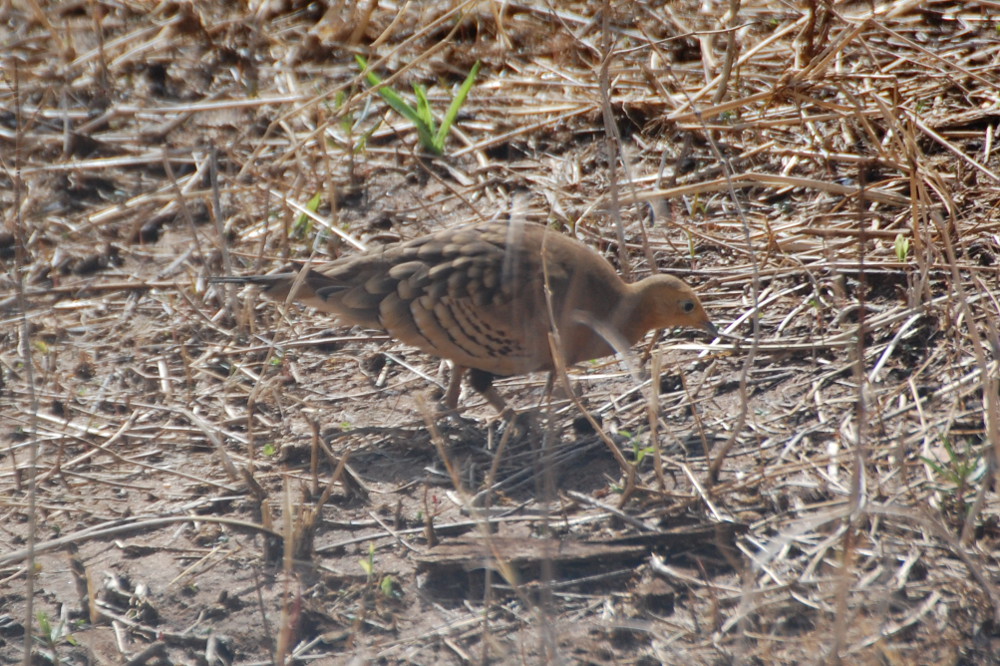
(556, 390)
(482, 381)
(454, 386)
(549, 385)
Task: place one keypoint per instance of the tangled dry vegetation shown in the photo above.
(210, 479)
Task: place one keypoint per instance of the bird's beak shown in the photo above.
(710, 328)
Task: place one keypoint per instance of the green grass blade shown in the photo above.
(456, 105)
(424, 106)
(426, 128)
(392, 98)
(303, 223)
(425, 132)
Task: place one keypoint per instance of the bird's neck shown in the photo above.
(635, 313)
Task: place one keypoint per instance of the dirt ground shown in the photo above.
(194, 475)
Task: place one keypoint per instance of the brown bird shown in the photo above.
(476, 295)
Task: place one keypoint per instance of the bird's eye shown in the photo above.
(687, 306)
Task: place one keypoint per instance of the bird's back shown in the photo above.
(475, 294)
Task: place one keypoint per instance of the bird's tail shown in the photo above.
(286, 286)
(250, 279)
(275, 286)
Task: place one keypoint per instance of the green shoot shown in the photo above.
(639, 452)
(389, 588)
(44, 626)
(368, 563)
(958, 475)
(902, 245)
(961, 468)
(303, 223)
(52, 634)
(431, 137)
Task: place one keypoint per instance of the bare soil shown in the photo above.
(192, 475)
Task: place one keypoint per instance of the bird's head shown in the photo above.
(665, 301)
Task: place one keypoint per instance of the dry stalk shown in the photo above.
(25, 347)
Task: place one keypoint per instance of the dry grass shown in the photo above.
(193, 477)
